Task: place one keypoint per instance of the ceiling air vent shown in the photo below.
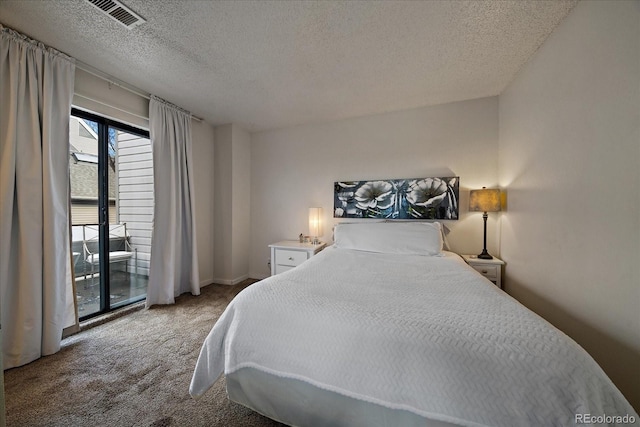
(119, 12)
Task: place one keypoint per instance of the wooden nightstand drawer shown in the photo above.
(290, 258)
(488, 271)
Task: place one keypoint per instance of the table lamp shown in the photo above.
(485, 200)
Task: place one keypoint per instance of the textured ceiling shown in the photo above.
(266, 65)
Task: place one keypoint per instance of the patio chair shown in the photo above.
(90, 236)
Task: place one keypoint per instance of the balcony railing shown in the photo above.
(126, 285)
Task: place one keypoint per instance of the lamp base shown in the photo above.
(485, 255)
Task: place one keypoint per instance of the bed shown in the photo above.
(384, 328)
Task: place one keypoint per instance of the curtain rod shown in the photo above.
(111, 80)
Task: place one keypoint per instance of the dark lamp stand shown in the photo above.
(485, 254)
(485, 200)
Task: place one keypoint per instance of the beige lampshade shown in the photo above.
(485, 200)
(315, 226)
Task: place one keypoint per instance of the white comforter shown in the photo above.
(424, 334)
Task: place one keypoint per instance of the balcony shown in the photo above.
(128, 279)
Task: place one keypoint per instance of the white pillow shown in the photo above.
(410, 238)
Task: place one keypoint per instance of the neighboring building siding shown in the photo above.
(81, 139)
(84, 177)
(135, 194)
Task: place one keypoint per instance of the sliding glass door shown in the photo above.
(111, 175)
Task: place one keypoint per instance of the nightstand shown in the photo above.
(289, 253)
(489, 268)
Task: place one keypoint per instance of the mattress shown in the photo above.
(422, 339)
(298, 403)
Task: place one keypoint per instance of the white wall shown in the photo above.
(570, 159)
(241, 220)
(96, 95)
(295, 168)
(223, 183)
(232, 201)
(202, 141)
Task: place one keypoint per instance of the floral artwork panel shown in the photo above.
(414, 198)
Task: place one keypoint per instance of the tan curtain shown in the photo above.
(173, 268)
(36, 87)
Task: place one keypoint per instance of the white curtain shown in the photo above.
(36, 87)
(174, 257)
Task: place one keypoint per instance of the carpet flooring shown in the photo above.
(134, 370)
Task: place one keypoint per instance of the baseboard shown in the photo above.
(259, 276)
(207, 282)
(232, 281)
